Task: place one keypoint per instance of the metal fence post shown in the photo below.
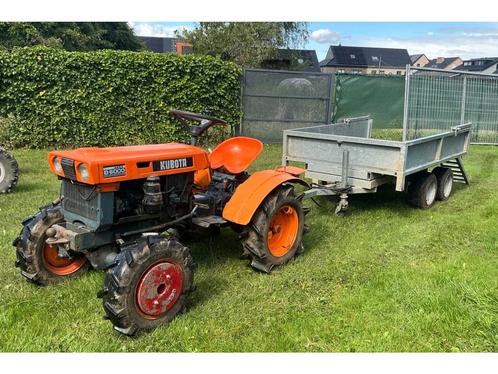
(329, 105)
(406, 102)
(464, 99)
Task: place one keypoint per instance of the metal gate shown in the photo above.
(436, 100)
(277, 100)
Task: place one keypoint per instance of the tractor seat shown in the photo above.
(235, 154)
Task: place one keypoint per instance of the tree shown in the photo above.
(246, 43)
(72, 36)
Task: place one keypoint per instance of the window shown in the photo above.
(398, 72)
(467, 63)
(352, 56)
(300, 61)
(375, 59)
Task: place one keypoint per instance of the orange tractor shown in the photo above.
(125, 210)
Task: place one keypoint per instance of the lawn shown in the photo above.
(387, 277)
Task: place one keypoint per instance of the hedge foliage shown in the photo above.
(55, 98)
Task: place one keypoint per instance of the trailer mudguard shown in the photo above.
(250, 194)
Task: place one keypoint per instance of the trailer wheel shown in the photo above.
(274, 235)
(423, 190)
(9, 171)
(39, 262)
(148, 285)
(444, 183)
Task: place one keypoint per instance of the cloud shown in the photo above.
(325, 36)
(156, 29)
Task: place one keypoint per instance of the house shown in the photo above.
(419, 60)
(293, 59)
(166, 45)
(365, 60)
(488, 65)
(448, 63)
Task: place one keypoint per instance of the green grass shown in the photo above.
(385, 278)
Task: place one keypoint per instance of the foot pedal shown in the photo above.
(208, 221)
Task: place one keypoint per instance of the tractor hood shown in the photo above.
(110, 165)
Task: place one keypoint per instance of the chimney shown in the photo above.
(440, 60)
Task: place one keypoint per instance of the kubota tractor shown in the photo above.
(116, 205)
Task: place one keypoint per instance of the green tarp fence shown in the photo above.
(379, 96)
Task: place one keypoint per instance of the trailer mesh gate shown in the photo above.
(436, 100)
(277, 100)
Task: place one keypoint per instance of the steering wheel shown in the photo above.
(197, 130)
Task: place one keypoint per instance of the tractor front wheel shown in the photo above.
(274, 235)
(40, 262)
(148, 285)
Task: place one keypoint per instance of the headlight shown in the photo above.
(57, 165)
(83, 170)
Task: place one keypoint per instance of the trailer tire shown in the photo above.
(444, 183)
(39, 262)
(148, 285)
(422, 191)
(279, 209)
(9, 171)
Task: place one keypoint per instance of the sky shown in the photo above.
(435, 39)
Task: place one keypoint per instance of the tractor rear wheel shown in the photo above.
(148, 285)
(39, 262)
(274, 235)
(9, 171)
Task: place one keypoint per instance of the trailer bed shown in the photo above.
(345, 153)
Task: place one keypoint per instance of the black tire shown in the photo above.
(121, 284)
(444, 178)
(422, 191)
(9, 171)
(256, 233)
(30, 247)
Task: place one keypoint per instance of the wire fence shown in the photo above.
(424, 102)
(436, 100)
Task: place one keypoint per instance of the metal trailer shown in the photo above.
(343, 159)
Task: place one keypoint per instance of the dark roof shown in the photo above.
(447, 61)
(159, 44)
(478, 64)
(347, 56)
(414, 58)
(293, 59)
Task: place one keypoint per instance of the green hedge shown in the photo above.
(55, 98)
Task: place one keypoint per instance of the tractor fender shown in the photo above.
(249, 195)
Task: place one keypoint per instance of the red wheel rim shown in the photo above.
(283, 230)
(60, 265)
(159, 288)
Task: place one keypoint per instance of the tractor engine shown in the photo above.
(161, 198)
(113, 195)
